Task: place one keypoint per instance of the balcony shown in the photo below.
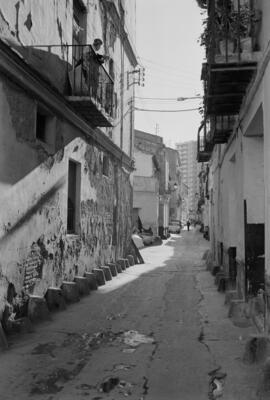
(221, 128)
(232, 50)
(77, 72)
(204, 144)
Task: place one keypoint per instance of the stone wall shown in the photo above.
(35, 250)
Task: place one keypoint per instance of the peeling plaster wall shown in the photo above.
(35, 250)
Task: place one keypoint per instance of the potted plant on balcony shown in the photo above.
(224, 31)
(245, 24)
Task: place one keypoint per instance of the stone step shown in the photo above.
(37, 309)
(55, 299)
(107, 272)
(130, 260)
(122, 263)
(70, 291)
(99, 275)
(113, 268)
(92, 282)
(82, 284)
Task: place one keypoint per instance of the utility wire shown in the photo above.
(149, 110)
(168, 98)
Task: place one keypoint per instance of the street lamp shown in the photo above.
(187, 98)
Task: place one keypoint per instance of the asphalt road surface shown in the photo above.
(152, 333)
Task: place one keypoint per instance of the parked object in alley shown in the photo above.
(175, 226)
(138, 241)
(134, 250)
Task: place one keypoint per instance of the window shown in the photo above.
(45, 126)
(105, 165)
(74, 189)
(41, 127)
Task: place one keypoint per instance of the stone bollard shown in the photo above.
(122, 263)
(264, 388)
(215, 269)
(82, 284)
(257, 348)
(107, 273)
(3, 339)
(113, 269)
(70, 291)
(37, 309)
(130, 260)
(99, 275)
(92, 282)
(230, 295)
(218, 276)
(236, 308)
(118, 267)
(55, 299)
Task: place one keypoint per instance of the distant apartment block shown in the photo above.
(189, 171)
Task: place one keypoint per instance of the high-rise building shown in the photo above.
(189, 171)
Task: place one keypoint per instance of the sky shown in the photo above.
(167, 32)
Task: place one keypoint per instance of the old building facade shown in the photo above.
(157, 183)
(234, 141)
(190, 170)
(66, 117)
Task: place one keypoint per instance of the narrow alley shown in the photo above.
(154, 332)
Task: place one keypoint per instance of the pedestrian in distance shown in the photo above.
(188, 225)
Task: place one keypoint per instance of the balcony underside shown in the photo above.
(203, 156)
(90, 110)
(227, 86)
(220, 136)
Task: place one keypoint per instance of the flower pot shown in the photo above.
(226, 47)
(246, 45)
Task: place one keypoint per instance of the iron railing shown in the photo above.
(231, 31)
(204, 144)
(84, 73)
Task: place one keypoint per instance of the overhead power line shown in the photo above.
(150, 110)
(168, 98)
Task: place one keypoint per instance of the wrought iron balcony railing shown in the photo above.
(78, 73)
(204, 144)
(221, 128)
(231, 31)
